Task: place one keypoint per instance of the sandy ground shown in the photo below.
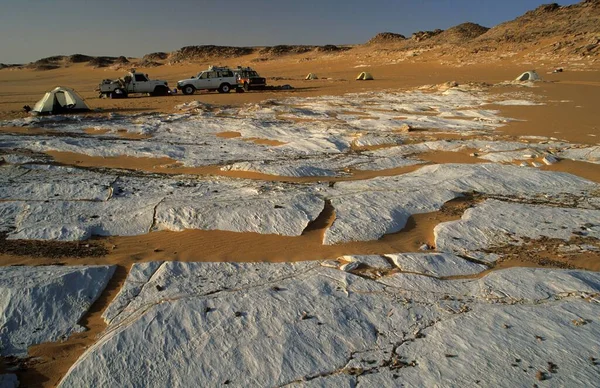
(577, 93)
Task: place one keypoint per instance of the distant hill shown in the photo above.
(386, 37)
(550, 31)
(563, 30)
(462, 33)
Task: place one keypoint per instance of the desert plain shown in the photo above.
(438, 225)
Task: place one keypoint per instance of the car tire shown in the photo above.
(188, 89)
(118, 93)
(224, 88)
(160, 91)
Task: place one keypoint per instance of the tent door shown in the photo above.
(60, 102)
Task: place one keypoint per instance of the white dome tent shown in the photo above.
(364, 76)
(60, 100)
(529, 76)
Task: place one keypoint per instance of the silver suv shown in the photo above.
(215, 78)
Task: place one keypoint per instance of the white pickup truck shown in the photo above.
(132, 83)
(221, 79)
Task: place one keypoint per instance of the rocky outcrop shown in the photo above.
(194, 53)
(386, 37)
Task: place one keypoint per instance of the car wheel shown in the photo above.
(224, 88)
(118, 93)
(188, 89)
(160, 91)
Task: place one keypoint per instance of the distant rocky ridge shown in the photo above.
(386, 37)
(10, 65)
(549, 31)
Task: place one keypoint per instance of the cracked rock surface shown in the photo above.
(307, 324)
(44, 304)
(494, 223)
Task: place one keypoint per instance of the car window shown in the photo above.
(140, 78)
(203, 76)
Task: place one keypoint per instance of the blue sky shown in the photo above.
(33, 29)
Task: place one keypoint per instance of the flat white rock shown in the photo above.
(435, 264)
(44, 304)
(496, 224)
(277, 324)
(368, 209)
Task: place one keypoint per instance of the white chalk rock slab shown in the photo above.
(137, 278)
(371, 261)
(496, 224)
(18, 158)
(234, 323)
(80, 220)
(508, 156)
(308, 126)
(376, 139)
(533, 285)
(366, 210)
(588, 154)
(246, 209)
(330, 381)
(9, 211)
(249, 317)
(549, 159)
(435, 264)
(517, 102)
(53, 183)
(44, 304)
(502, 345)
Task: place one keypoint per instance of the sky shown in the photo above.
(33, 29)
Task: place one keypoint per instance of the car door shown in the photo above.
(203, 81)
(139, 83)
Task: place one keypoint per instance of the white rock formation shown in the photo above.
(366, 210)
(137, 205)
(44, 304)
(497, 224)
(278, 324)
(435, 264)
